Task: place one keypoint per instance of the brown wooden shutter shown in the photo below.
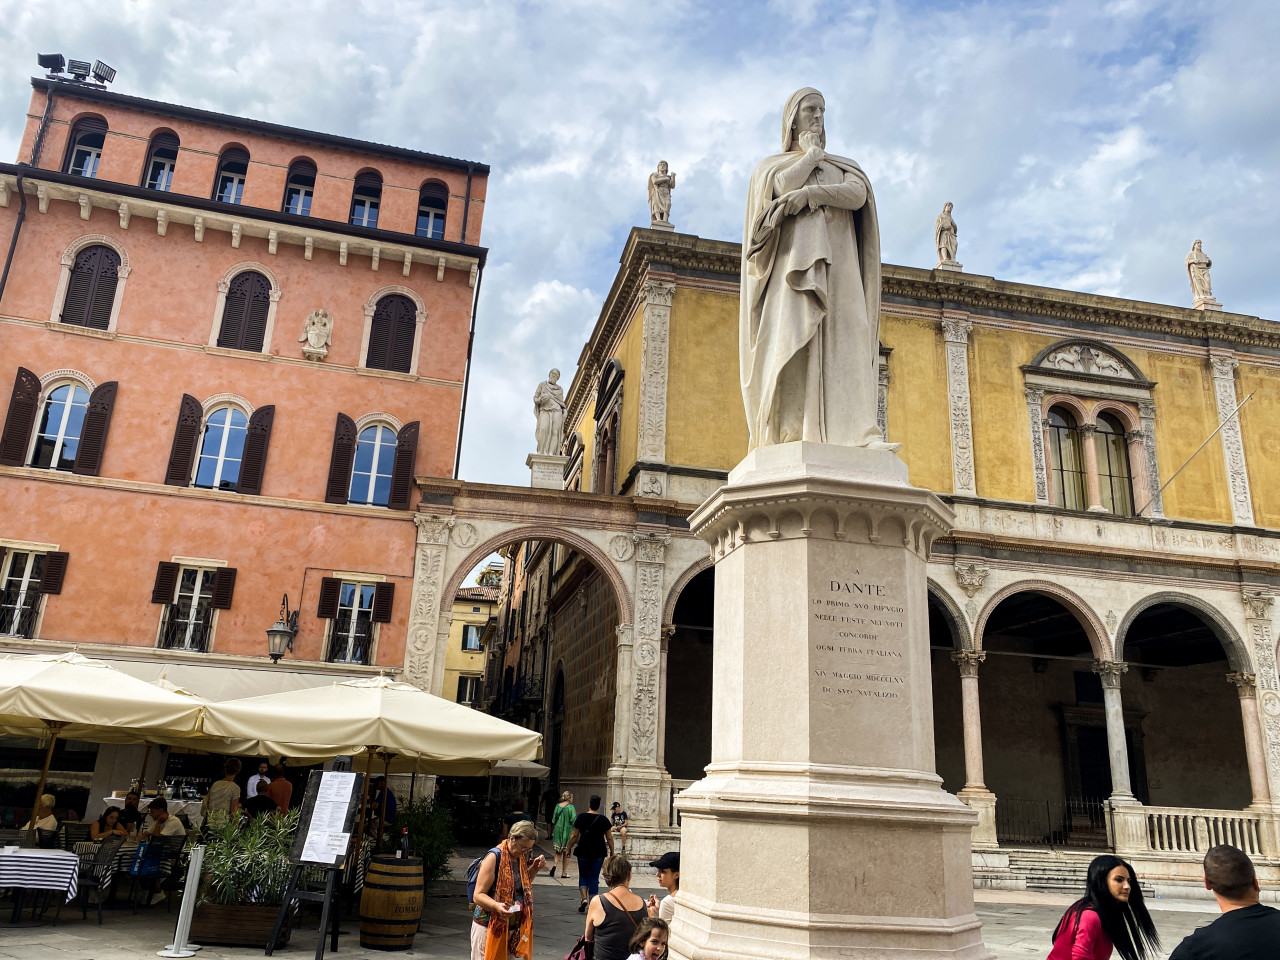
(185, 437)
(93, 436)
(224, 585)
(383, 599)
(391, 334)
(330, 591)
(75, 306)
(24, 404)
(244, 314)
(166, 582)
(55, 570)
(256, 441)
(104, 291)
(379, 343)
(255, 323)
(402, 467)
(402, 342)
(338, 488)
(91, 290)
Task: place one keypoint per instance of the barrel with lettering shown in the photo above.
(391, 903)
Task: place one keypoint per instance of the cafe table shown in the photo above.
(32, 869)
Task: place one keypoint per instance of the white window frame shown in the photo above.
(434, 214)
(420, 318)
(359, 580)
(64, 279)
(168, 168)
(237, 180)
(205, 569)
(6, 630)
(378, 447)
(364, 204)
(304, 193)
(475, 685)
(479, 633)
(221, 458)
(220, 304)
(94, 153)
(46, 394)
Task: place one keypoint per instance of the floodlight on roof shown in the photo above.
(79, 69)
(103, 73)
(53, 62)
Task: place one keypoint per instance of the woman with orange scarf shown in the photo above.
(502, 927)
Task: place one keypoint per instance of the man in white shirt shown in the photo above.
(162, 825)
(251, 789)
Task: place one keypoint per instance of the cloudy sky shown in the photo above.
(1084, 144)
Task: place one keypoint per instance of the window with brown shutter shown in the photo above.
(166, 582)
(391, 334)
(185, 436)
(91, 291)
(244, 316)
(256, 441)
(402, 469)
(55, 571)
(224, 586)
(84, 147)
(330, 588)
(340, 460)
(383, 599)
(24, 404)
(93, 435)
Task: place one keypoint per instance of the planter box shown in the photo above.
(242, 924)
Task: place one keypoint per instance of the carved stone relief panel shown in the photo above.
(653, 372)
(1035, 399)
(424, 605)
(956, 335)
(1224, 389)
(1084, 358)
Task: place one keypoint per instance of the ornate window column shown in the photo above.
(955, 332)
(1092, 489)
(651, 443)
(1224, 391)
(1246, 686)
(1035, 400)
(1151, 467)
(1110, 673)
(424, 606)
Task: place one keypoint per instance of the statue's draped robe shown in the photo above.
(659, 196)
(548, 407)
(1198, 264)
(810, 308)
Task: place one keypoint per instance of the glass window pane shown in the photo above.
(346, 597)
(364, 451)
(382, 490)
(207, 472)
(359, 488)
(366, 596)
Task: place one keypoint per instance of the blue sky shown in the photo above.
(1084, 144)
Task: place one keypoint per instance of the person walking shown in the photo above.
(668, 867)
(615, 916)
(1111, 914)
(591, 840)
(1246, 930)
(502, 924)
(561, 829)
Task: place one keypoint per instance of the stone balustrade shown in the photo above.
(1178, 832)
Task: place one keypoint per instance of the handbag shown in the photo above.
(582, 950)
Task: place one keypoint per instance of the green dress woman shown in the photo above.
(561, 831)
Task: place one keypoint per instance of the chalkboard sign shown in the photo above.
(330, 807)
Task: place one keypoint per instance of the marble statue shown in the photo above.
(661, 184)
(944, 235)
(548, 407)
(1198, 264)
(809, 314)
(317, 332)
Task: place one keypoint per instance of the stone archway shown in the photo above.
(1093, 627)
(1233, 645)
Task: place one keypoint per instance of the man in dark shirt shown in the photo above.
(591, 840)
(261, 802)
(1246, 930)
(619, 823)
(515, 816)
(131, 816)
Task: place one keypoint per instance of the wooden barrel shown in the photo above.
(391, 903)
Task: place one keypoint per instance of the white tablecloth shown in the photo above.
(189, 807)
(40, 869)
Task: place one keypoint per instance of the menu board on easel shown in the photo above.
(330, 807)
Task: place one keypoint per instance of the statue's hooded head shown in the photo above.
(791, 119)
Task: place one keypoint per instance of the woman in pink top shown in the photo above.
(1110, 915)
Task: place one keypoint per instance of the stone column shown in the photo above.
(1039, 463)
(821, 829)
(955, 332)
(1110, 673)
(1091, 485)
(1246, 686)
(1151, 466)
(975, 792)
(1258, 604)
(1137, 468)
(651, 442)
(1224, 390)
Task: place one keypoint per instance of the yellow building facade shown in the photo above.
(473, 609)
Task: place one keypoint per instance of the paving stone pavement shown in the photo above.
(1016, 926)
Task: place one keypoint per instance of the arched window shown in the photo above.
(371, 471)
(299, 188)
(1113, 466)
(1066, 460)
(365, 199)
(222, 449)
(91, 290)
(84, 149)
(233, 167)
(244, 318)
(391, 334)
(61, 422)
(162, 160)
(433, 201)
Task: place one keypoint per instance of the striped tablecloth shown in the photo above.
(41, 870)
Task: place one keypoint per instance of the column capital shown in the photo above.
(968, 661)
(1110, 672)
(1257, 604)
(1224, 365)
(956, 330)
(626, 635)
(1134, 436)
(1246, 684)
(1088, 429)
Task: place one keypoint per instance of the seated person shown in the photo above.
(42, 817)
(261, 803)
(375, 800)
(162, 825)
(107, 825)
(131, 817)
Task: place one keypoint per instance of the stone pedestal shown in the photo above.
(661, 225)
(547, 471)
(1206, 303)
(953, 265)
(821, 828)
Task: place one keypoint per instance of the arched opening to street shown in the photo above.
(687, 744)
(948, 712)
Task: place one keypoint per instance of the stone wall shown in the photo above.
(584, 646)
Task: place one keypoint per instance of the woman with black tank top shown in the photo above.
(614, 916)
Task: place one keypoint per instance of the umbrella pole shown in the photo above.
(413, 782)
(382, 809)
(364, 799)
(54, 729)
(146, 756)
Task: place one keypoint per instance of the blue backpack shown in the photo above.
(473, 871)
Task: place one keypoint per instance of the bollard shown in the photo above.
(190, 892)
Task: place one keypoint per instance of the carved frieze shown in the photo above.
(653, 371)
(956, 335)
(1224, 389)
(1035, 399)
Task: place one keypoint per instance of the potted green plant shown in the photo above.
(430, 827)
(246, 872)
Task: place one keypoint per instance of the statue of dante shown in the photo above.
(944, 235)
(809, 315)
(661, 184)
(1198, 264)
(548, 407)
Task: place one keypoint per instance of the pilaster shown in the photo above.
(1035, 401)
(652, 440)
(955, 333)
(1147, 416)
(424, 605)
(1224, 391)
(1258, 606)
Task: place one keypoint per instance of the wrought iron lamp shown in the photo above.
(280, 637)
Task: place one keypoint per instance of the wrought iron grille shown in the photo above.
(1076, 822)
(18, 620)
(174, 634)
(345, 647)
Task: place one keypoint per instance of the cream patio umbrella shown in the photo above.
(74, 697)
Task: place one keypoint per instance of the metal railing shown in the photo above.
(1179, 830)
(18, 621)
(677, 787)
(174, 632)
(1076, 822)
(345, 648)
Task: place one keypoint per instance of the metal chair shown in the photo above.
(171, 873)
(145, 866)
(73, 832)
(98, 874)
(47, 839)
(21, 838)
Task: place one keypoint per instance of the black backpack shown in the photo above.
(473, 871)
